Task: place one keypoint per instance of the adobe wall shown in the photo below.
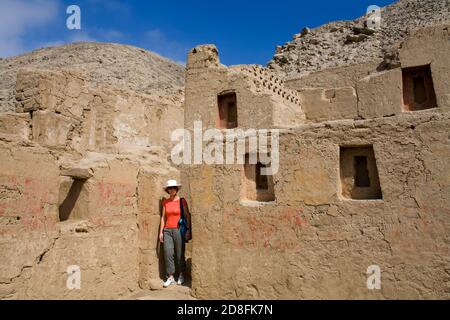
(347, 76)
(430, 46)
(311, 242)
(82, 170)
(363, 91)
(80, 184)
(367, 185)
(37, 248)
(262, 99)
(70, 114)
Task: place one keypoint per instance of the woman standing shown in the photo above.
(170, 234)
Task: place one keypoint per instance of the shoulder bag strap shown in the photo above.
(181, 209)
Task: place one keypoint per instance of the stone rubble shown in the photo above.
(344, 43)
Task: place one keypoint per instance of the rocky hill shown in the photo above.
(102, 63)
(347, 42)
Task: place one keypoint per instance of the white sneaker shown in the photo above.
(169, 281)
(180, 280)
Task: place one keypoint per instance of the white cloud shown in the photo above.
(19, 17)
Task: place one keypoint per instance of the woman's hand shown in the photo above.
(188, 234)
(161, 237)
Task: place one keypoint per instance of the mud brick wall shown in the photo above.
(79, 164)
(262, 99)
(362, 91)
(312, 242)
(71, 115)
(36, 247)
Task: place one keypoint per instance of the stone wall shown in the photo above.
(364, 91)
(80, 183)
(262, 99)
(49, 222)
(364, 183)
(37, 248)
(71, 115)
(312, 242)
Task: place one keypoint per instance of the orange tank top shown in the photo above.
(173, 213)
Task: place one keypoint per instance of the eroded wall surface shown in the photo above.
(368, 90)
(37, 248)
(363, 180)
(312, 242)
(262, 99)
(82, 168)
(80, 181)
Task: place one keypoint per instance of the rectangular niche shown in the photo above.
(359, 173)
(256, 186)
(418, 89)
(227, 111)
(73, 199)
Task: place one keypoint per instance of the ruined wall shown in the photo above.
(367, 185)
(49, 222)
(343, 43)
(312, 242)
(380, 94)
(430, 46)
(82, 168)
(37, 248)
(262, 99)
(329, 104)
(70, 114)
(346, 76)
(102, 64)
(364, 91)
(79, 165)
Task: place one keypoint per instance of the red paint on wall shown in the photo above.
(25, 205)
(275, 230)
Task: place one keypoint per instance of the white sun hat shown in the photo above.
(172, 183)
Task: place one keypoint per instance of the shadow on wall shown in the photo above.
(70, 202)
(159, 246)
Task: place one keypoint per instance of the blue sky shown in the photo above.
(244, 31)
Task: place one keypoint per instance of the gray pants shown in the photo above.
(174, 250)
